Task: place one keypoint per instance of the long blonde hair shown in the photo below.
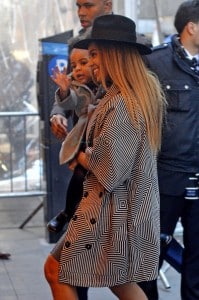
(140, 88)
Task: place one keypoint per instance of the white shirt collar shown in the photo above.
(191, 56)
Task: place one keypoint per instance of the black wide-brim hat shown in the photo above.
(113, 29)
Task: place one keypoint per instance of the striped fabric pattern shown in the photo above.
(114, 236)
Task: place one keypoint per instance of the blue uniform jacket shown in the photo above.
(180, 143)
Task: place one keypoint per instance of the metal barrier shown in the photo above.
(21, 161)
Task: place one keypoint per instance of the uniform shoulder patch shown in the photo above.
(162, 46)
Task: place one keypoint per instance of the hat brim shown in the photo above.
(142, 49)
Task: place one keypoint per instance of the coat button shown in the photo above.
(85, 194)
(93, 221)
(67, 244)
(88, 246)
(74, 218)
(168, 87)
(100, 194)
(186, 87)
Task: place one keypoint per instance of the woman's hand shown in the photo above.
(72, 164)
(81, 159)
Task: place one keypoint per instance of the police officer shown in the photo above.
(176, 65)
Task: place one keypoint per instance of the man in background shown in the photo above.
(177, 66)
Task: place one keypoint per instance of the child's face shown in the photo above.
(79, 61)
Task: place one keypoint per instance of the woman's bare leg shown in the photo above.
(129, 291)
(59, 291)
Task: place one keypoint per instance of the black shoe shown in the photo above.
(58, 222)
(4, 255)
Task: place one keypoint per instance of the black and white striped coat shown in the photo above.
(114, 236)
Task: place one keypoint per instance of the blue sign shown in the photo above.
(54, 48)
(59, 53)
(60, 61)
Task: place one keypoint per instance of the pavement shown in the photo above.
(21, 276)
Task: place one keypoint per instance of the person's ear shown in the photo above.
(192, 27)
(108, 6)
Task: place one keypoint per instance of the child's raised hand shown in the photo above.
(61, 79)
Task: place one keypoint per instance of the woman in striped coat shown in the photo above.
(113, 238)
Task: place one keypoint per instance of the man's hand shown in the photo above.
(59, 126)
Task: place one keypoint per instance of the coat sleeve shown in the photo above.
(115, 146)
(69, 103)
(79, 98)
(59, 109)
